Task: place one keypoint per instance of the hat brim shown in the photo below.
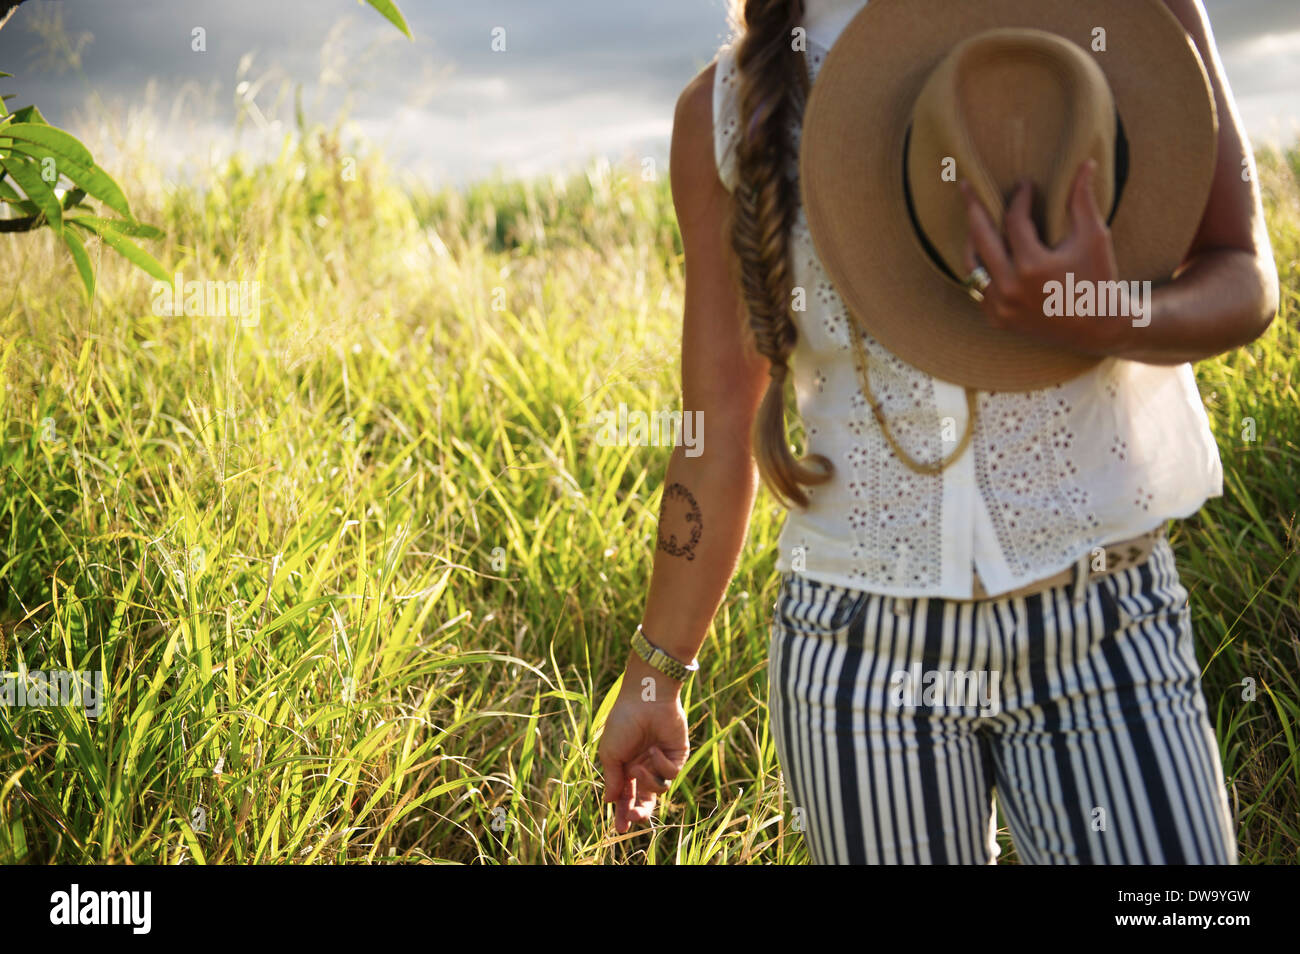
(851, 172)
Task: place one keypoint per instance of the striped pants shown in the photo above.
(896, 720)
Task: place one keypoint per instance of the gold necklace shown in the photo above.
(908, 460)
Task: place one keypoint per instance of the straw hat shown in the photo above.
(915, 95)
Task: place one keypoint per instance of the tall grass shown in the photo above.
(359, 576)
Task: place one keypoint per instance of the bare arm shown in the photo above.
(707, 498)
(1223, 296)
(1226, 294)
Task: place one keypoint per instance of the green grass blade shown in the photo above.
(393, 15)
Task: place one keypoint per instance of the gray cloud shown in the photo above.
(578, 76)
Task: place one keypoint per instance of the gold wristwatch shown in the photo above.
(656, 658)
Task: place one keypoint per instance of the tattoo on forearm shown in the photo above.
(679, 507)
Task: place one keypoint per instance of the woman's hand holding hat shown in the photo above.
(1019, 268)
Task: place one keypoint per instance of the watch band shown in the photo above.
(656, 658)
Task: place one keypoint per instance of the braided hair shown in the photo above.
(773, 86)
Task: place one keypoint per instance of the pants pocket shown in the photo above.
(1150, 603)
(814, 608)
(1146, 595)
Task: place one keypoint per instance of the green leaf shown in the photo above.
(96, 181)
(392, 15)
(125, 247)
(52, 142)
(124, 227)
(38, 190)
(82, 260)
(92, 179)
(9, 194)
(39, 140)
(23, 206)
(29, 114)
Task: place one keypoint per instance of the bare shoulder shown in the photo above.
(694, 111)
(1196, 23)
(1191, 14)
(1234, 215)
(692, 165)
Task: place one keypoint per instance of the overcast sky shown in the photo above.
(577, 77)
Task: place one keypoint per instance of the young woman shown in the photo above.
(1089, 724)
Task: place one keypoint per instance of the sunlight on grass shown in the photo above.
(359, 575)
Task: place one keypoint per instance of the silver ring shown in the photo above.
(977, 282)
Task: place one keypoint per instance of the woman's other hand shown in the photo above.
(644, 744)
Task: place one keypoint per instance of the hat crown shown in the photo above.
(1002, 106)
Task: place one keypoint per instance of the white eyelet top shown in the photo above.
(1049, 474)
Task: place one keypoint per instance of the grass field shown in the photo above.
(359, 576)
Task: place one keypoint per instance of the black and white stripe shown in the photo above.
(1101, 753)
